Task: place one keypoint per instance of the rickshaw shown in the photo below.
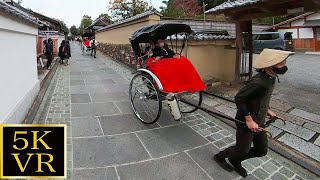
(86, 38)
(146, 90)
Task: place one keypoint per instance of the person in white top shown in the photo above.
(93, 44)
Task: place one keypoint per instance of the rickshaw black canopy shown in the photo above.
(150, 33)
(88, 35)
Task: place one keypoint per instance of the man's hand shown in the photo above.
(158, 58)
(271, 114)
(253, 126)
(176, 56)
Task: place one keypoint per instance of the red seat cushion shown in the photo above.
(176, 75)
(87, 43)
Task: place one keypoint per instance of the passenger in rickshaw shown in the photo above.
(161, 50)
(176, 73)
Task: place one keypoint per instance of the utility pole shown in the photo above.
(273, 21)
(204, 14)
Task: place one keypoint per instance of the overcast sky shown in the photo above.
(71, 11)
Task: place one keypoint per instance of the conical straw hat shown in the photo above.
(270, 57)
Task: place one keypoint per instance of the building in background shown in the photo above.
(305, 30)
(49, 28)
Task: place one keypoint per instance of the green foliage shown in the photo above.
(104, 15)
(123, 9)
(74, 31)
(64, 27)
(85, 22)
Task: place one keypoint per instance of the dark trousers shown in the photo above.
(49, 60)
(243, 150)
(94, 50)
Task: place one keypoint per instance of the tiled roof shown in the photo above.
(232, 4)
(142, 15)
(18, 13)
(293, 19)
(197, 25)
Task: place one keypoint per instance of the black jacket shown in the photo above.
(67, 51)
(254, 98)
(164, 52)
(61, 52)
(49, 49)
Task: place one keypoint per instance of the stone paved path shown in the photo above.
(106, 140)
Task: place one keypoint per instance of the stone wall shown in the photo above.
(119, 52)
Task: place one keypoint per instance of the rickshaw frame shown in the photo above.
(149, 34)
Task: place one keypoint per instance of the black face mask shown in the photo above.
(281, 71)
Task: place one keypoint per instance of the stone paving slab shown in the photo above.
(87, 89)
(299, 131)
(170, 140)
(76, 77)
(291, 118)
(226, 110)
(84, 127)
(107, 151)
(125, 123)
(312, 127)
(95, 82)
(95, 174)
(80, 98)
(306, 115)
(109, 97)
(94, 109)
(92, 77)
(116, 87)
(278, 104)
(317, 141)
(166, 118)
(176, 167)
(76, 82)
(303, 146)
(274, 131)
(203, 156)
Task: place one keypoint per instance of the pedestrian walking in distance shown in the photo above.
(61, 52)
(67, 52)
(93, 47)
(253, 106)
(49, 52)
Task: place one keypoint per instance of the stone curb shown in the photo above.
(43, 89)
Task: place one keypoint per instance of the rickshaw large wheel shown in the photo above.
(192, 97)
(145, 98)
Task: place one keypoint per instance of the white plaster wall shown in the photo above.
(298, 22)
(314, 16)
(305, 33)
(18, 71)
(294, 32)
(13, 24)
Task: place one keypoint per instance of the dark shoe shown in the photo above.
(238, 168)
(221, 160)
